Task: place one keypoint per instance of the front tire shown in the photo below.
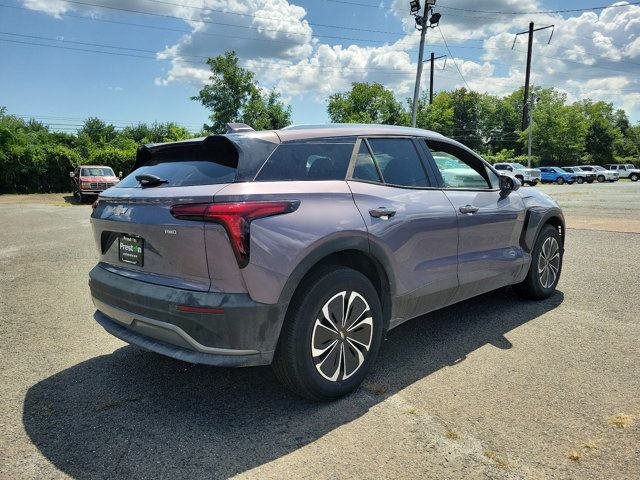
(634, 177)
(546, 265)
(331, 334)
(601, 179)
(580, 180)
(560, 181)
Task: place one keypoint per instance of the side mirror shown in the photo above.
(508, 184)
(71, 174)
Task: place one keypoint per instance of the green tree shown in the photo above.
(599, 141)
(438, 116)
(266, 112)
(230, 88)
(233, 96)
(366, 103)
(98, 131)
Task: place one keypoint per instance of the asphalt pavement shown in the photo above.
(495, 387)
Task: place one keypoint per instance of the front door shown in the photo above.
(490, 223)
(413, 223)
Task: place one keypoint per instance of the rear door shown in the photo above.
(412, 222)
(490, 224)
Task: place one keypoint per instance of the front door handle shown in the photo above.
(469, 209)
(382, 212)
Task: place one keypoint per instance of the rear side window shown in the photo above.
(326, 159)
(399, 162)
(184, 173)
(364, 167)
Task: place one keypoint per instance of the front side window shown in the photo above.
(460, 169)
(322, 159)
(399, 162)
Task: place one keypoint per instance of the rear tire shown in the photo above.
(580, 180)
(319, 356)
(601, 179)
(533, 184)
(546, 266)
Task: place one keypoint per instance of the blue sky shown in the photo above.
(305, 48)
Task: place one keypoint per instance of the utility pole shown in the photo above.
(433, 61)
(421, 24)
(531, 102)
(525, 108)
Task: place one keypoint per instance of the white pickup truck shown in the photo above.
(527, 176)
(602, 174)
(627, 170)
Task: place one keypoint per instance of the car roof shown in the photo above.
(300, 132)
(303, 132)
(93, 166)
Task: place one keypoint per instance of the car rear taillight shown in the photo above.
(236, 218)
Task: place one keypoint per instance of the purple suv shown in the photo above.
(301, 247)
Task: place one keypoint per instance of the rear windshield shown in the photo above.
(326, 159)
(96, 172)
(183, 173)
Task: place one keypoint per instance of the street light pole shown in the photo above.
(423, 33)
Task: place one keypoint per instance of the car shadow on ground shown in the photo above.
(137, 414)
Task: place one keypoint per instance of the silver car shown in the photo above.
(302, 247)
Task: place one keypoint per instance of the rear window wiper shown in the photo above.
(148, 180)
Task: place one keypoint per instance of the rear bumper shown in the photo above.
(144, 314)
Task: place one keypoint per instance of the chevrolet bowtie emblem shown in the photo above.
(119, 210)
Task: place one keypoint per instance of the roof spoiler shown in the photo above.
(238, 127)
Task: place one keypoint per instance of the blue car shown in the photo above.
(556, 175)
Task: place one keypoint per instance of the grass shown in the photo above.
(499, 460)
(621, 420)
(375, 388)
(590, 445)
(412, 411)
(450, 434)
(575, 456)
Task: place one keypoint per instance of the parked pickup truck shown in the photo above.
(602, 174)
(581, 175)
(90, 180)
(527, 176)
(556, 175)
(628, 170)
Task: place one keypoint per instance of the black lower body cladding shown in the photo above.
(242, 332)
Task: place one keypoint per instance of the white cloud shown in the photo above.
(589, 57)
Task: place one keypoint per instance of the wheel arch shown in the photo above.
(356, 253)
(535, 220)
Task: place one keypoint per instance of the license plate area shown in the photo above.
(131, 250)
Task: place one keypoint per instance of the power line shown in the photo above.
(142, 12)
(453, 58)
(319, 36)
(539, 12)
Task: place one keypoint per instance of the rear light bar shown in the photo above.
(236, 218)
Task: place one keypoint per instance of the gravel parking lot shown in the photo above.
(496, 387)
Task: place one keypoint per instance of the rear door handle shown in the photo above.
(382, 212)
(470, 209)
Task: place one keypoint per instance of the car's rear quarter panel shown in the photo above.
(326, 215)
